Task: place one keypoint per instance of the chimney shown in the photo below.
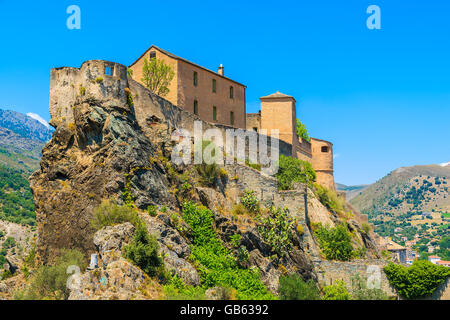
(221, 70)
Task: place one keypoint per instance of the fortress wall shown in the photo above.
(330, 271)
(303, 150)
(253, 121)
(68, 84)
(148, 105)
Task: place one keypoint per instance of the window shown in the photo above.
(231, 92)
(324, 149)
(255, 129)
(195, 78)
(232, 118)
(108, 70)
(152, 55)
(214, 114)
(195, 107)
(214, 85)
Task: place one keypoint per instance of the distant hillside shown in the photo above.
(21, 141)
(408, 189)
(25, 126)
(351, 191)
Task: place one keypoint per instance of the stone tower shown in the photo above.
(322, 161)
(278, 111)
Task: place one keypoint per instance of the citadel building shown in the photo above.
(215, 98)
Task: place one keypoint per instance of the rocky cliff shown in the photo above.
(112, 141)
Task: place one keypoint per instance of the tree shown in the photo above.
(419, 280)
(293, 170)
(156, 76)
(302, 132)
(337, 291)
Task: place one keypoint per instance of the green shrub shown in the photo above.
(217, 264)
(9, 243)
(336, 291)
(302, 132)
(143, 252)
(293, 287)
(335, 243)
(277, 230)
(366, 228)
(294, 170)
(50, 281)
(176, 289)
(419, 280)
(360, 291)
(152, 211)
(250, 202)
(330, 199)
(209, 173)
(109, 213)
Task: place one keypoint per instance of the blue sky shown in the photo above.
(381, 96)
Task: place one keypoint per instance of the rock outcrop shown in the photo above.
(112, 140)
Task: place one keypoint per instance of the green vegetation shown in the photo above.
(175, 289)
(293, 287)
(336, 291)
(360, 291)
(16, 200)
(9, 243)
(293, 170)
(250, 202)
(419, 280)
(209, 173)
(335, 243)
(156, 76)
(302, 132)
(277, 230)
(109, 213)
(152, 211)
(50, 281)
(330, 199)
(217, 264)
(143, 252)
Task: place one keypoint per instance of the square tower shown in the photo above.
(278, 111)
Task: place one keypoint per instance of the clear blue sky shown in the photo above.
(381, 96)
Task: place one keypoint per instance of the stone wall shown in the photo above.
(330, 271)
(150, 108)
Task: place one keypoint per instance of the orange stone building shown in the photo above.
(208, 94)
(218, 99)
(278, 111)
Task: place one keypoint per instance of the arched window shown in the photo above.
(231, 92)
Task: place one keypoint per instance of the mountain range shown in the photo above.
(21, 140)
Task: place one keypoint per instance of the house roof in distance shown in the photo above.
(184, 60)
